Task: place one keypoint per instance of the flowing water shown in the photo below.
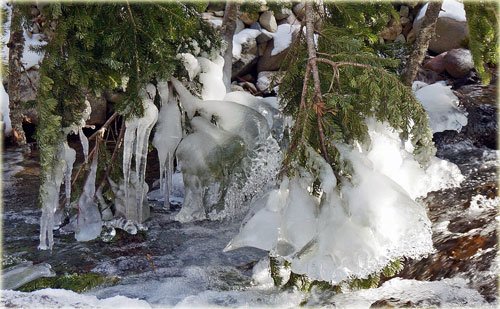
(183, 264)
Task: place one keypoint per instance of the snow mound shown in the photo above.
(441, 104)
(450, 9)
(59, 298)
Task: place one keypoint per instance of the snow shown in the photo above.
(211, 78)
(243, 37)
(442, 106)
(283, 37)
(136, 141)
(30, 58)
(450, 8)
(5, 112)
(89, 223)
(59, 298)
(191, 64)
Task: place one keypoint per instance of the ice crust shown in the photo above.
(355, 230)
(441, 104)
(18, 275)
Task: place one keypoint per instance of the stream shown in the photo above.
(183, 264)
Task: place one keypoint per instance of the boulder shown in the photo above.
(300, 10)
(404, 11)
(436, 64)
(410, 37)
(264, 80)
(264, 37)
(282, 14)
(400, 38)
(451, 27)
(291, 19)
(268, 62)
(393, 29)
(458, 62)
(244, 65)
(268, 21)
(99, 107)
(249, 18)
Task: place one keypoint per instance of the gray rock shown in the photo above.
(264, 80)
(239, 26)
(458, 62)
(249, 47)
(400, 39)
(219, 13)
(264, 37)
(207, 15)
(283, 13)
(404, 11)
(256, 26)
(291, 19)
(99, 107)
(404, 21)
(300, 10)
(268, 21)
(244, 65)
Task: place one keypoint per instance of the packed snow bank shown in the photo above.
(357, 229)
(59, 298)
(441, 104)
(450, 9)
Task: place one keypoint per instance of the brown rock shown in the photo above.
(272, 63)
(249, 18)
(99, 107)
(458, 62)
(410, 38)
(436, 64)
(244, 65)
(449, 34)
(392, 31)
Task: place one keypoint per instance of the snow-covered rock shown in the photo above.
(451, 27)
(458, 62)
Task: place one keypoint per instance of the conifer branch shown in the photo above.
(129, 9)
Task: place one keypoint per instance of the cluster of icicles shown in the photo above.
(218, 145)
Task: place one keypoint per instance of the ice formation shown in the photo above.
(127, 196)
(18, 275)
(77, 128)
(442, 106)
(211, 78)
(5, 110)
(89, 220)
(50, 198)
(354, 230)
(241, 38)
(136, 141)
(167, 136)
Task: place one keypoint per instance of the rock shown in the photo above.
(392, 30)
(283, 13)
(261, 48)
(28, 85)
(216, 22)
(256, 26)
(400, 39)
(215, 6)
(219, 13)
(264, 37)
(247, 86)
(404, 11)
(458, 62)
(239, 26)
(235, 87)
(410, 38)
(249, 18)
(36, 29)
(299, 10)
(268, 62)
(249, 47)
(263, 8)
(428, 76)
(451, 28)
(248, 78)
(291, 19)
(265, 78)
(207, 15)
(99, 107)
(406, 29)
(436, 64)
(404, 21)
(244, 65)
(268, 22)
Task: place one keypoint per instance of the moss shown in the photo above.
(74, 282)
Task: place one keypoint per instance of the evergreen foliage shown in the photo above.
(98, 46)
(482, 19)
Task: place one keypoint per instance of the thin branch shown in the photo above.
(105, 125)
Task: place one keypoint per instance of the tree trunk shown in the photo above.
(16, 48)
(228, 29)
(422, 42)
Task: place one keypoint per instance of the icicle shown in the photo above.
(50, 200)
(136, 142)
(85, 144)
(89, 221)
(69, 158)
(167, 137)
